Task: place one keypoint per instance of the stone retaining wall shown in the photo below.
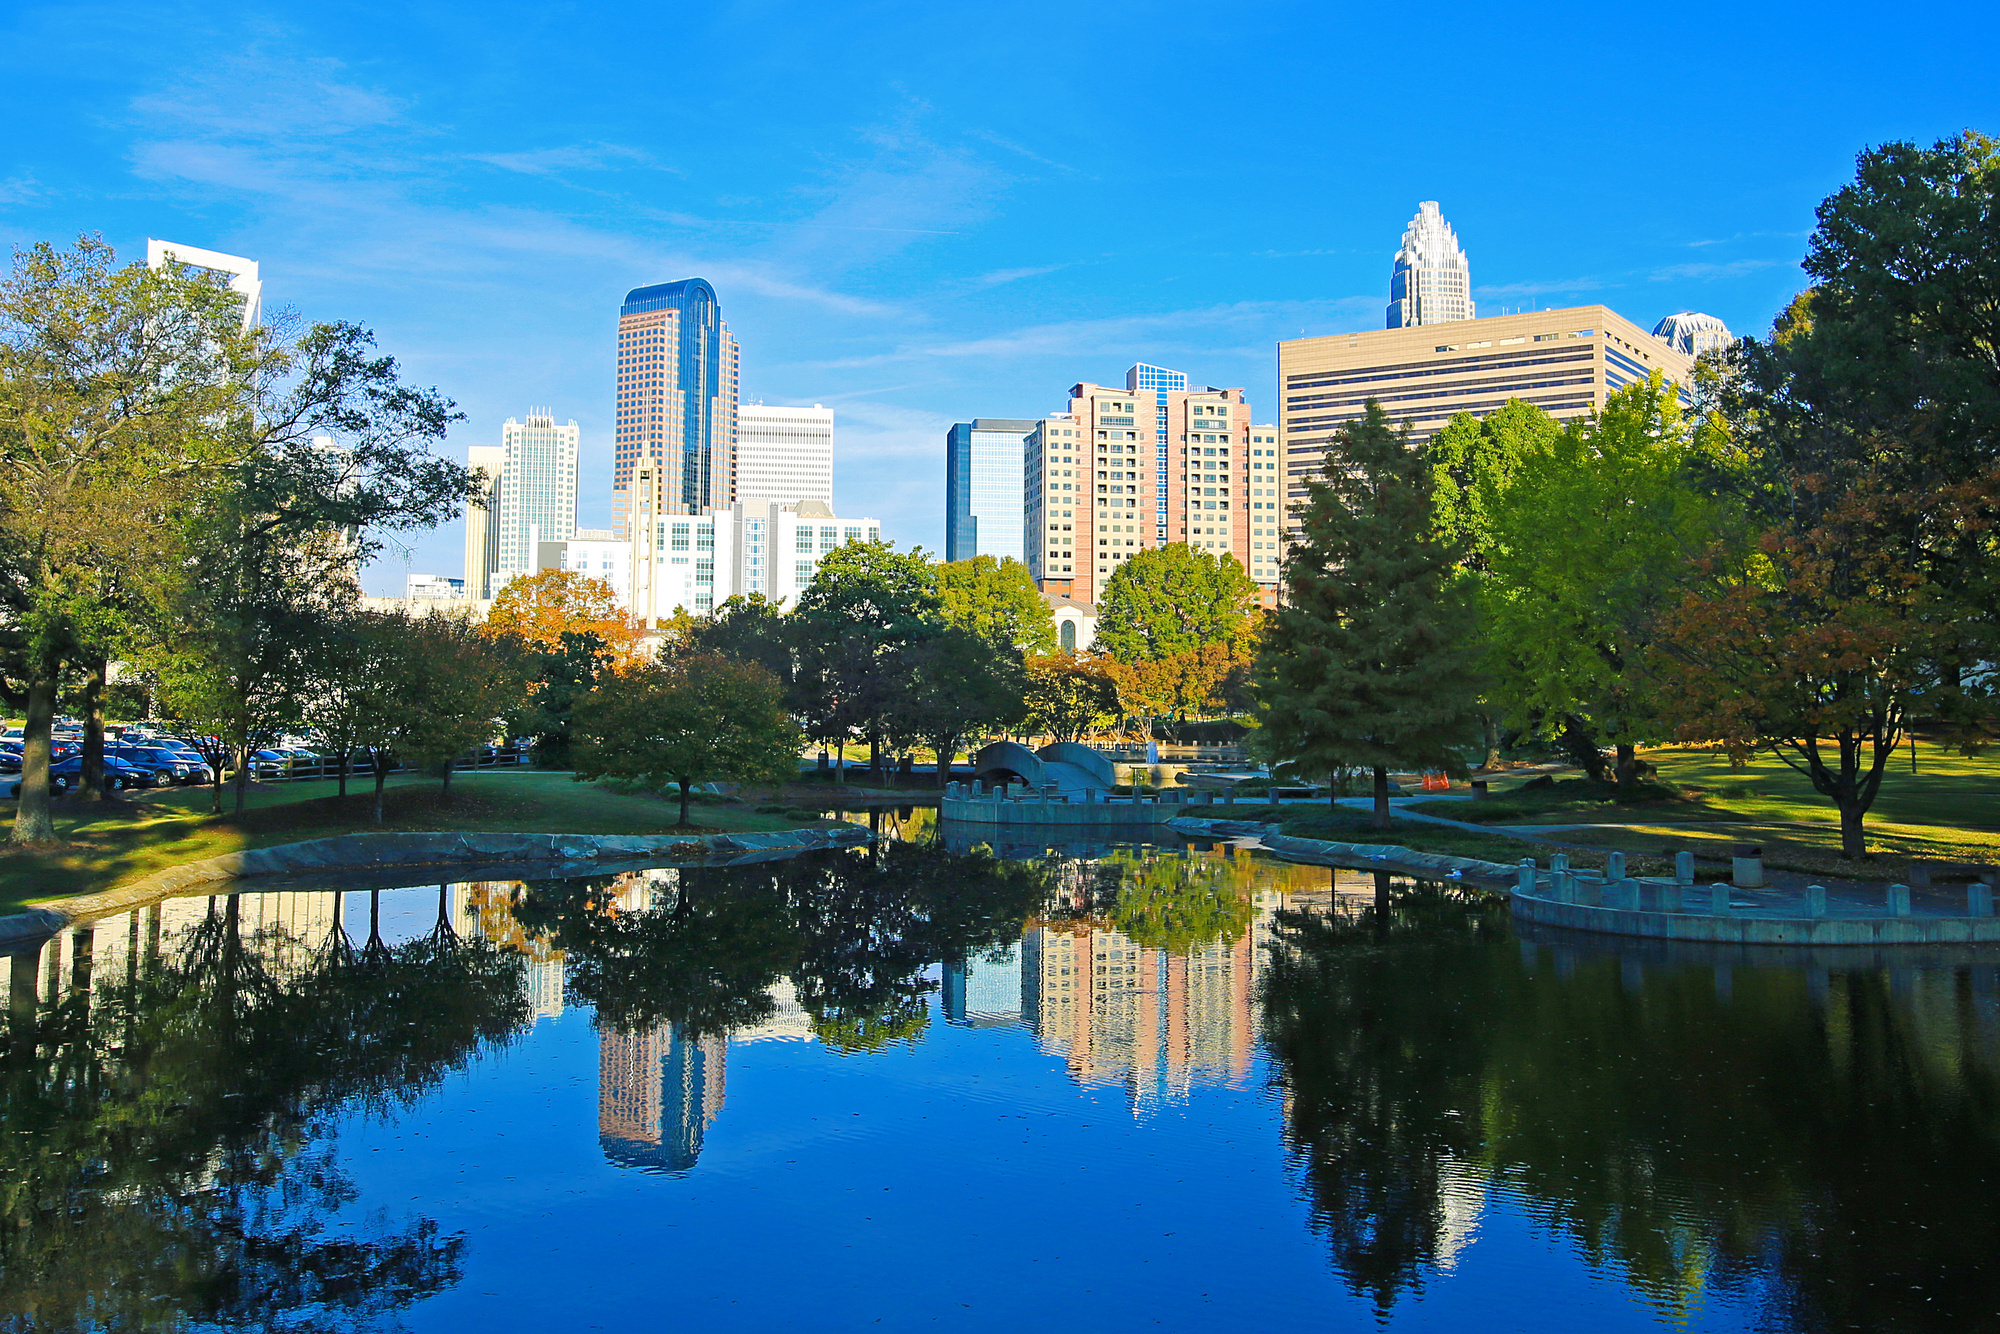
(371, 852)
(1060, 814)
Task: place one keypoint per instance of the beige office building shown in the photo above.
(1566, 362)
(1128, 469)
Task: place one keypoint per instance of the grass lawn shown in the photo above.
(108, 843)
(1947, 811)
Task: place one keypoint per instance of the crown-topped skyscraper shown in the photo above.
(1432, 282)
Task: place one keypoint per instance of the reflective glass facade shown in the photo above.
(983, 496)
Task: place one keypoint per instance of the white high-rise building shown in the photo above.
(243, 279)
(1432, 282)
(696, 562)
(784, 454)
(537, 492)
(1691, 333)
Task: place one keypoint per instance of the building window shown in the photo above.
(680, 542)
(805, 572)
(805, 542)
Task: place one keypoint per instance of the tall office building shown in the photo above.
(482, 520)
(537, 491)
(784, 454)
(1125, 470)
(677, 395)
(982, 487)
(1691, 333)
(1566, 362)
(1432, 282)
(243, 279)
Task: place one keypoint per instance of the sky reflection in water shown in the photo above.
(1198, 1090)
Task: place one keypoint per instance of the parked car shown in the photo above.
(118, 774)
(58, 784)
(172, 766)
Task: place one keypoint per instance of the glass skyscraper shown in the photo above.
(1158, 381)
(677, 393)
(537, 491)
(983, 496)
(1432, 280)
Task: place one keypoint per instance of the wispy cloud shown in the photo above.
(574, 157)
(21, 190)
(999, 276)
(1746, 236)
(1151, 336)
(999, 141)
(1543, 287)
(1733, 269)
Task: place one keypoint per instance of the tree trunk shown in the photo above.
(1853, 843)
(944, 756)
(840, 762)
(1582, 748)
(346, 763)
(684, 805)
(1626, 763)
(214, 781)
(446, 789)
(1384, 899)
(381, 780)
(1492, 740)
(242, 783)
(92, 775)
(1379, 817)
(33, 824)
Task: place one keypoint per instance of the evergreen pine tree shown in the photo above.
(1368, 663)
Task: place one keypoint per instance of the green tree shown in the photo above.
(856, 622)
(686, 720)
(558, 677)
(1591, 539)
(997, 600)
(1473, 462)
(1369, 661)
(330, 449)
(961, 686)
(458, 686)
(1174, 599)
(749, 629)
(1071, 695)
(115, 391)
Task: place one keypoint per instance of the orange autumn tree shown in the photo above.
(538, 609)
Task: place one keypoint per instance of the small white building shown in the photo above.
(1076, 623)
(435, 586)
(594, 552)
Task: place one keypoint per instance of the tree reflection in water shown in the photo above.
(854, 933)
(1824, 1146)
(168, 1159)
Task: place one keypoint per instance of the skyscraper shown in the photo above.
(537, 492)
(482, 524)
(784, 454)
(243, 279)
(1692, 333)
(677, 393)
(1125, 470)
(1432, 282)
(982, 487)
(1159, 382)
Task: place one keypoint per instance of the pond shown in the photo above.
(916, 1086)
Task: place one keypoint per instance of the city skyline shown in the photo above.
(902, 240)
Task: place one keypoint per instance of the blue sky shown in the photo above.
(920, 213)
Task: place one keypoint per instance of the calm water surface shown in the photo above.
(1116, 1088)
